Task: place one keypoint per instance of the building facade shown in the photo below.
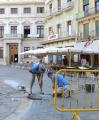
(21, 28)
(88, 23)
(61, 26)
(88, 19)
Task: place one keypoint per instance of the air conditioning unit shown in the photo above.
(33, 35)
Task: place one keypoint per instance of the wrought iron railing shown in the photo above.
(90, 12)
(12, 35)
(60, 9)
(68, 5)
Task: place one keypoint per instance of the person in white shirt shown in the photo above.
(83, 62)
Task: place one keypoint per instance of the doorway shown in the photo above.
(13, 53)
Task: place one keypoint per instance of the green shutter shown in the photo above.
(97, 28)
(97, 0)
(85, 2)
(86, 31)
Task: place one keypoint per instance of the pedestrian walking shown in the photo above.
(38, 70)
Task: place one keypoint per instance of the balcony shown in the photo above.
(33, 37)
(68, 6)
(49, 15)
(87, 14)
(84, 36)
(60, 37)
(13, 36)
(57, 11)
(70, 36)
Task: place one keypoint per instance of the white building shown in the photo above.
(21, 28)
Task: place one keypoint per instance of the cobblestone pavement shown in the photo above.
(9, 100)
(40, 109)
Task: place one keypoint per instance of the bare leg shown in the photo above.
(32, 82)
(41, 83)
(40, 80)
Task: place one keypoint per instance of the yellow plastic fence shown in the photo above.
(83, 92)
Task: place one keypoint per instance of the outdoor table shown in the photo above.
(71, 67)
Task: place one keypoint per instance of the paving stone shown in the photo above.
(7, 105)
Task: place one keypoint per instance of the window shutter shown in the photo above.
(86, 31)
(97, 28)
(85, 2)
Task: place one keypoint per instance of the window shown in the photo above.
(69, 0)
(86, 31)
(1, 52)
(97, 6)
(97, 27)
(50, 31)
(2, 10)
(14, 10)
(40, 9)
(50, 9)
(86, 7)
(26, 49)
(69, 28)
(13, 30)
(26, 31)
(50, 59)
(1, 31)
(59, 4)
(59, 59)
(40, 31)
(59, 30)
(27, 10)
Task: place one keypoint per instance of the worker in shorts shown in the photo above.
(61, 83)
(38, 70)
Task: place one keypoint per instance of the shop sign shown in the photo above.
(52, 37)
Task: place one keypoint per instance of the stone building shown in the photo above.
(21, 28)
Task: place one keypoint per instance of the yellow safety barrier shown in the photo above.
(75, 116)
(83, 92)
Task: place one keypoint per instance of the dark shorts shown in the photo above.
(36, 74)
(32, 72)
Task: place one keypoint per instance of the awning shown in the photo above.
(91, 47)
(42, 51)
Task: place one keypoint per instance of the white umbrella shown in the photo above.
(75, 50)
(64, 50)
(27, 52)
(36, 51)
(51, 50)
(46, 51)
